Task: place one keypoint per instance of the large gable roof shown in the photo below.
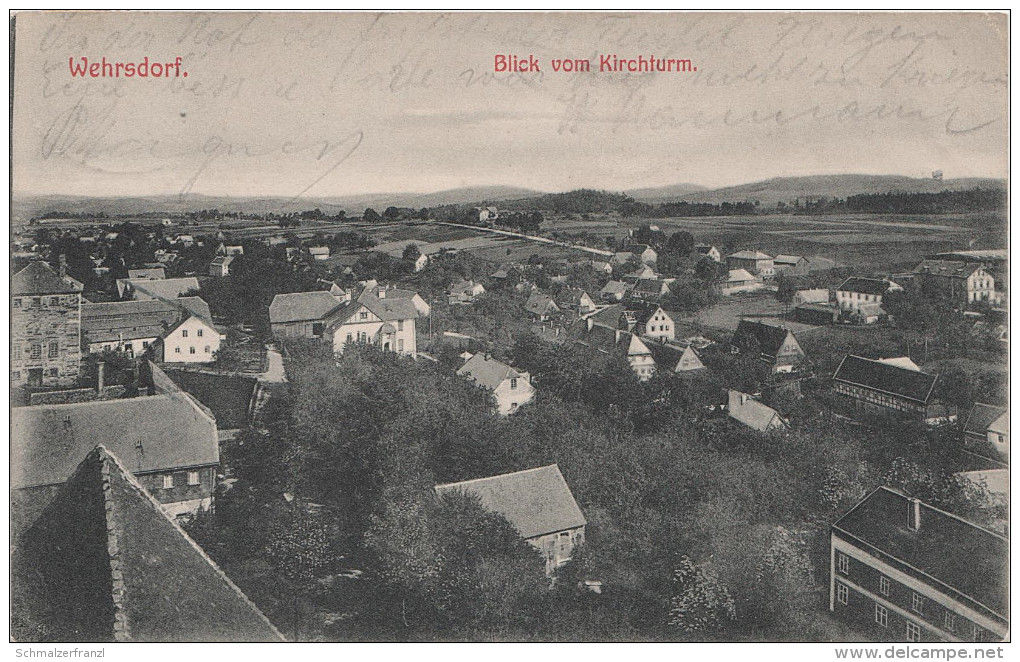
(39, 278)
(152, 433)
(302, 306)
(862, 285)
(752, 413)
(487, 371)
(952, 551)
(947, 268)
(750, 255)
(536, 501)
(169, 288)
(770, 337)
(104, 562)
(911, 384)
(983, 416)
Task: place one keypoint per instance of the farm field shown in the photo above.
(763, 307)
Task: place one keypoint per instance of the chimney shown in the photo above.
(913, 514)
(381, 293)
(100, 374)
(590, 322)
(743, 398)
(617, 335)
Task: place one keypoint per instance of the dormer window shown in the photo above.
(513, 383)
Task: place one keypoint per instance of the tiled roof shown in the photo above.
(608, 316)
(128, 320)
(984, 416)
(394, 306)
(739, 276)
(948, 268)
(649, 286)
(864, 285)
(750, 255)
(642, 314)
(104, 562)
(616, 287)
(770, 337)
(911, 384)
(946, 548)
(151, 273)
(301, 306)
(752, 413)
(152, 433)
(536, 501)
(539, 303)
(39, 278)
(169, 288)
(789, 259)
(674, 359)
(486, 371)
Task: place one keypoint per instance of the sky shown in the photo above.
(332, 104)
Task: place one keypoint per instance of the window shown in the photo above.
(16, 303)
(350, 337)
(400, 325)
(54, 372)
(843, 562)
(36, 351)
(191, 350)
(949, 620)
(54, 350)
(400, 345)
(54, 301)
(913, 631)
(36, 302)
(917, 603)
(881, 615)
(883, 585)
(207, 349)
(184, 333)
(842, 594)
(363, 315)
(975, 632)
(177, 350)
(168, 481)
(317, 328)
(16, 350)
(145, 343)
(513, 383)
(16, 374)
(199, 333)
(192, 478)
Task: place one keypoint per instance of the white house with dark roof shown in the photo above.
(902, 570)
(862, 297)
(541, 306)
(708, 251)
(376, 318)
(986, 432)
(538, 503)
(511, 388)
(963, 282)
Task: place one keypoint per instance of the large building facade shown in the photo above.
(45, 328)
(901, 570)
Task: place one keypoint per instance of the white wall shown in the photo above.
(193, 341)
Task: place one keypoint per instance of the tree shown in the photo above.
(680, 243)
(709, 270)
(699, 603)
(411, 253)
(391, 213)
(370, 216)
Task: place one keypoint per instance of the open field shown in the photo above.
(762, 307)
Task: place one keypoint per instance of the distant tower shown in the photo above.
(936, 175)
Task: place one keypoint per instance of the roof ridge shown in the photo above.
(512, 473)
(151, 501)
(121, 627)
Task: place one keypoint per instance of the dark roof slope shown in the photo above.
(152, 433)
(981, 416)
(769, 337)
(227, 396)
(864, 285)
(880, 376)
(947, 268)
(487, 371)
(536, 501)
(302, 306)
(953, 551)
(104, 562)
(40, 278)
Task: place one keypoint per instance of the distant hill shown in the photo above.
(665, 193)
(26, 207)
(787, 189)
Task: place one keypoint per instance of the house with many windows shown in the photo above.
(860, 299)
(376, 318)
(902, 570)
(45, 327)
(615, 341)
(961, 282)
(538, 503)
(303, 314)
(755, 262)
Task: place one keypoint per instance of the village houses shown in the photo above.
(376, 318)
(875, 387)
(538, 503)
(962, 282)
(756, 415)
(986, 432)
(708, 251)
(541, 306)
(755, 262)
(775, 346)
(739, 280)
(861, 298)
(511, 388)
